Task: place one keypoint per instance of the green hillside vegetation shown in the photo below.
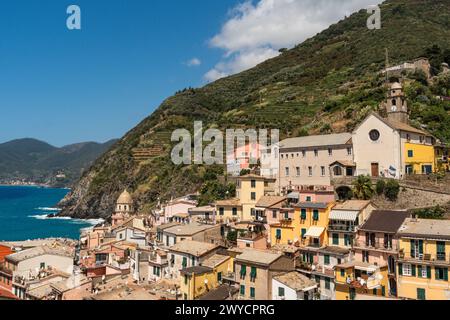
(327, 84)
(36, 161)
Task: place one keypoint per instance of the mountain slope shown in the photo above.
(326, 84)
(37, 161)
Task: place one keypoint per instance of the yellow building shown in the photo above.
(419, 158)
(442, 158)
(354, 278)
(424, 260)
(249, 189)
(285, 230)
(311, 223)
(199, 280)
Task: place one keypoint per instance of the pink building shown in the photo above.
(376, 242)
(242, 158)
(178, 207)
(315, 194)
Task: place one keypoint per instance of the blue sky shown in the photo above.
(97, 83)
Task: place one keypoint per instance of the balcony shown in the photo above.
(377, 245)
(438, 258)
(341, 227)
(248, 235)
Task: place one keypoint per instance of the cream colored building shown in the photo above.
(390, 147)
(307, 160)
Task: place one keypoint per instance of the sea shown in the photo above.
(24, 211)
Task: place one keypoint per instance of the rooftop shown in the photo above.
(435, 229)
(198, 270)
(229, 202)
(258, 257)
(38, 251)
(215, 260)
(296, 281)
(188, 229)
(199, 210)
(269, 201)
(316, 141)
(334, 250)
(221, 293)
(356, 205)
(385, 221)
(194, 248)
(311, 205)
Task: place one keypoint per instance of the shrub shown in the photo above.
(430, 213)
(392, 190)
(362, 188)
(381, 185)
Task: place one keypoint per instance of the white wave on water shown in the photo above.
(48, 209)
(92, 222)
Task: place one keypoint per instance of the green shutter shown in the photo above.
(446, 274)
(316, 215)
(429, 272)
(413, 270)
(420, 246)
(281, 292)
(243, 270)
(419, 271)
(413, 253)
(400, 269)
(252, 293)
(335, 239)
(383, 291)
(342, 272)
(303, 216)
(327, 259)
(303, 233)
(242, 290)
(421, 295)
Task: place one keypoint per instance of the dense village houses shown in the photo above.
(293, 286)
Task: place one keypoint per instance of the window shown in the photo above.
(326, 259)
(441, 273)
(440, 248)
(219, 277)
(303, 214)
(421, 294)
(287, 171)
(327, 283)
(252, 293)
(193, 261)
(253, 274)
(322, 169)
(242, 291)
(278, 235)
(365, 256)
(335, 239)
(303, 153)
(298, 171)
(184, 264)
(310, 171)
(410, 153)
(234, 211)
(330, 152)
(185, 280)
(42, 266)
(303, 233)
(221, 211)
(281, 292)
(422, 272)
(316, 215)
(243, 271)
(408, 137)
(407, 270)
(308, 199)
(253, 182)
(342, 272)
(374, 135)
(349, 151)
(253, 196)
(316, 153)
(274, 214)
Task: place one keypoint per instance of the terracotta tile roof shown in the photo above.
(258, 257)
(215, 260)
(269, 201)
(296, 281)
(194, 248)
(316, 141)
(229, 203)
(221, 293)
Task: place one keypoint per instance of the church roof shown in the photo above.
(125, 198)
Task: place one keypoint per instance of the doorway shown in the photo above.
(375, 170)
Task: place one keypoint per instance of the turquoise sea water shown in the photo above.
(24, 210)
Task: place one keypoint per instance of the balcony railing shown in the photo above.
(341, 227)
(438, 257)
(379, 245)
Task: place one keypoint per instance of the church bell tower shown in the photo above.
(396, 105)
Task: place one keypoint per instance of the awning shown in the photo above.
(293, 195)
(343, 215)
(315, 232)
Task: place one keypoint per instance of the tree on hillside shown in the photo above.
(392, 190)
(362, 188)
(212, 191)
